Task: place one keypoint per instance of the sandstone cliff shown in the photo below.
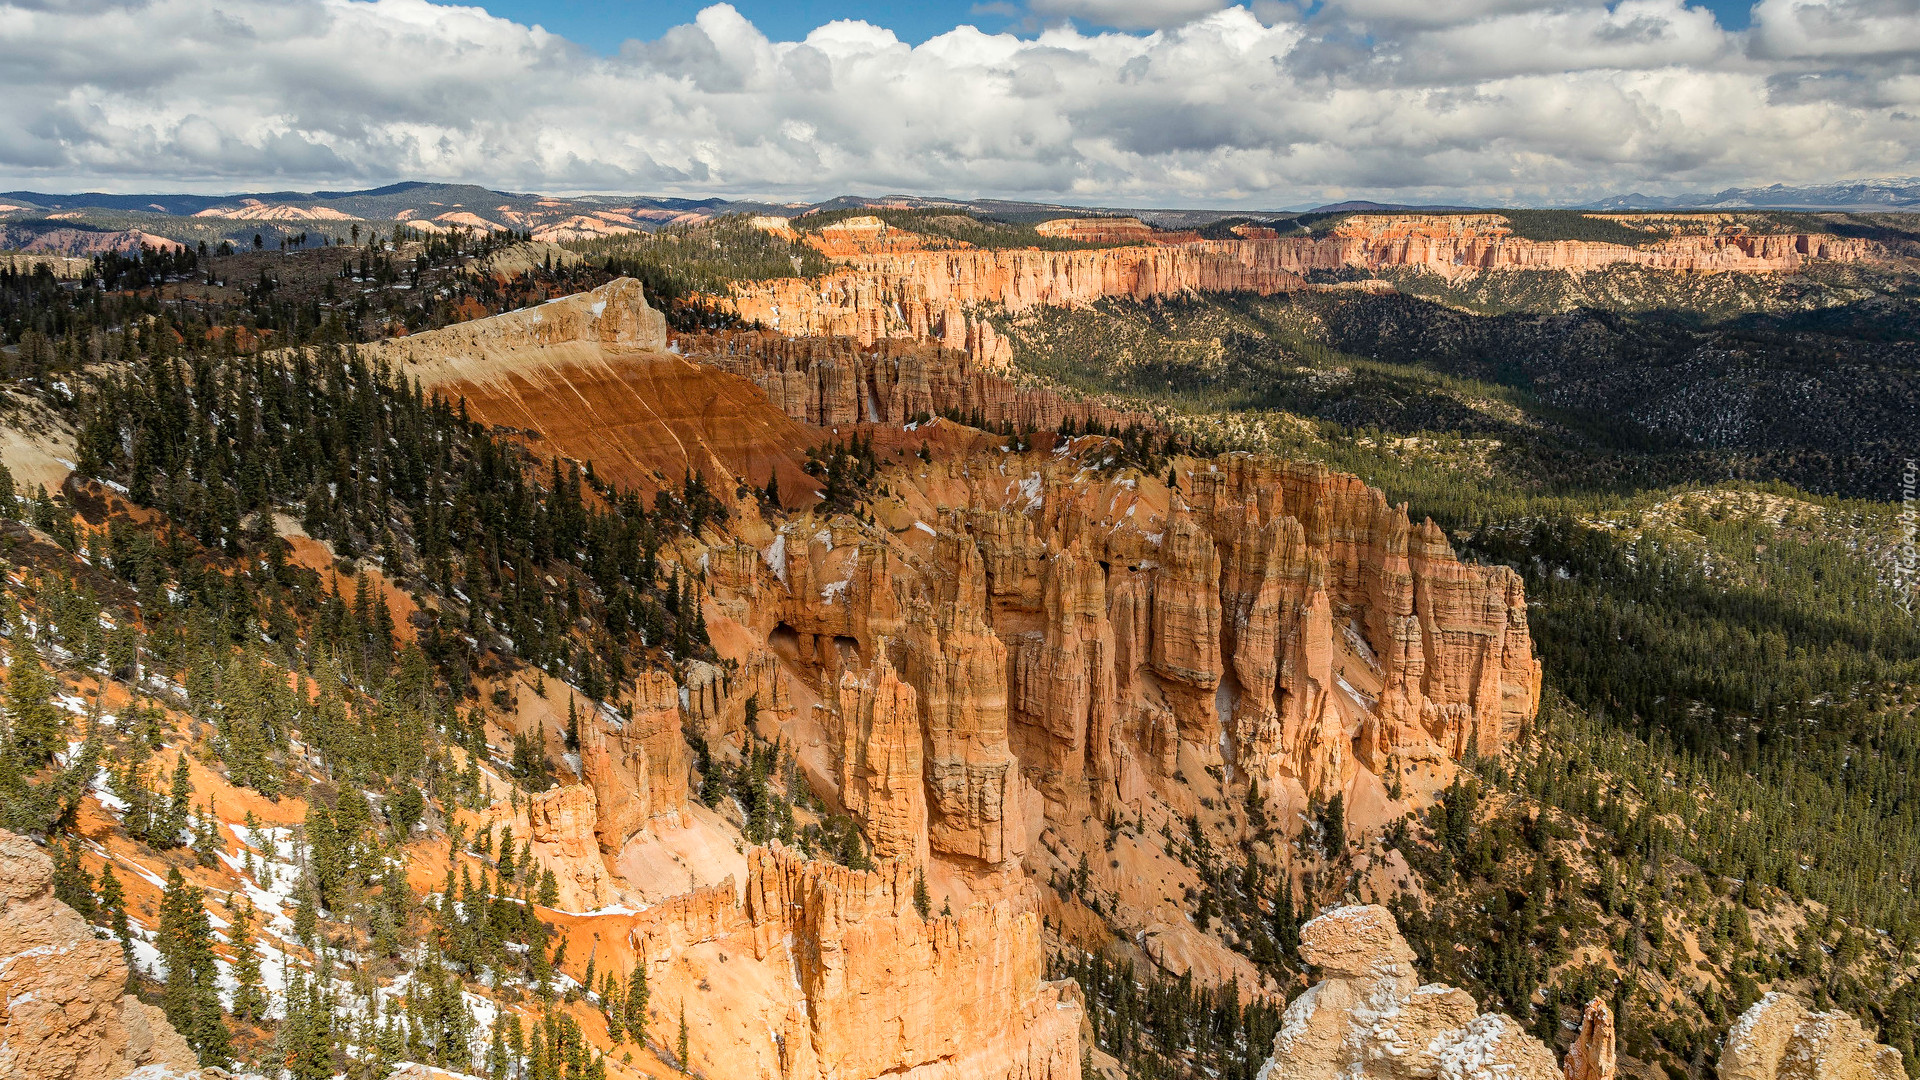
(64, 1010)
(560, 824)
(588, 373)
(831, 382)
(1284, 622)
(849, 982)
(940, 295)
(637, 770)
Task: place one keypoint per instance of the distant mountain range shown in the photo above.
(1882, 194)
(92, 222)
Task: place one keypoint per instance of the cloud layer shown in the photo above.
(1489, 100)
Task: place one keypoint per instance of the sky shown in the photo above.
(1261, 104)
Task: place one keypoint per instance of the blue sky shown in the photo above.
(602, 25)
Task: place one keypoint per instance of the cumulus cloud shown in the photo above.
(1487, 100)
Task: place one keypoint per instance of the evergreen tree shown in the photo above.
(179, 812)
(249, 1000)
(636, 1003)
(680, 1048)
(113, 899)
(35, 725)
(192, 999)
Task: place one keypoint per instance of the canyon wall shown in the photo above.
(1279, 620)
(855, 983)
(831, 382)
(939, 295)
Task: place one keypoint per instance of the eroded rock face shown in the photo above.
(934, 295)
(882, 779)
(1594, 1053)
(891, 993)
(616, 313)
(1780, 1038)
(1370, 1018)
(64, 1014)
(561, 826)
(958, 667)
(842, 380)
(638, 771)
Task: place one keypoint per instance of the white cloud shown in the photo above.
(1404, 99)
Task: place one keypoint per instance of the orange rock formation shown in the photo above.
(938, 295)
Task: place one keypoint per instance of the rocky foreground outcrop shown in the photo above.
(936, 295)
(1370, 1019)
(1780, 1038)
(64, 1010)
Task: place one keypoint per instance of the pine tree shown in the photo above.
(179, 810)
(249, 1000)
(922, 902)
(35, 725)
(636, 1003)
(71, 885)
(113, 899)
(680, 1045)
(192, 998)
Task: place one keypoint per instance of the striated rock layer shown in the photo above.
(835, 381)
(937, 295)
(64, 1012)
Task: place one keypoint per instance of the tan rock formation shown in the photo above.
(1594, 1053)
(1369, 1018)
(890, 993)
(958, 667)
(937, 295)
(561, 827)
(64, 1013)
(1780, 1038)
(1185, 646)
(613, 314)
(841, 380)
(882, 780)
(638, 770)
(588, 374)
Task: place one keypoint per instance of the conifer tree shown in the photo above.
(113, 899)
(249, 1000)
(179, 810)
(680, 1045)
(35, 725)
(636, 1003)
(192, 999)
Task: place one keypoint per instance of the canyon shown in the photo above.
(1029, 675)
